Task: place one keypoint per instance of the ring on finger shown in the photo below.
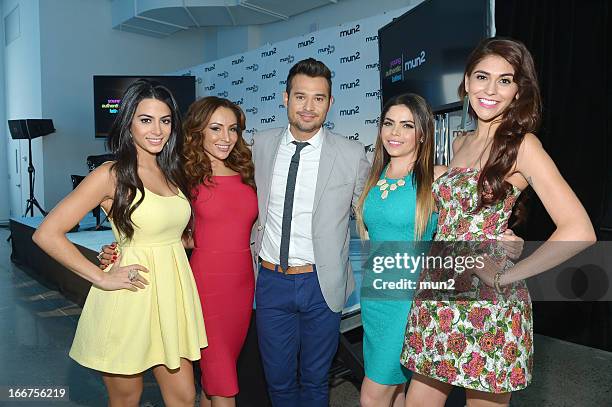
(132, 275)
(99, 256)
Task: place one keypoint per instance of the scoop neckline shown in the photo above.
(161, 196)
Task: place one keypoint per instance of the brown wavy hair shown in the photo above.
(422, 173)
(197, 163)
(522, 116)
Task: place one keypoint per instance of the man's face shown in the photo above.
(307, 105)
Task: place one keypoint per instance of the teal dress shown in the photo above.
(384, 310)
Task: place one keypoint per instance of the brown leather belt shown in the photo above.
(291, 270)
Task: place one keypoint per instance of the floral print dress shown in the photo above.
(485, 342)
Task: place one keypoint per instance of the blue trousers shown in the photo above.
(297, 332)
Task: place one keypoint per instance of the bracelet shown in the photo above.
(496, 282)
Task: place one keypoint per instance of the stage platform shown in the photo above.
(89, 242)
(46, 270)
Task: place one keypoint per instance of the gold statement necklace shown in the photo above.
(386, 186)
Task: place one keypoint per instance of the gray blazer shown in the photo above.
(343, 170)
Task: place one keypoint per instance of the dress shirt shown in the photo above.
(300, 245)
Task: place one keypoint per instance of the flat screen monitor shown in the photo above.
(108, 91)
(424, 51)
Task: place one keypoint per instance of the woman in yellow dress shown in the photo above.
(143, 311)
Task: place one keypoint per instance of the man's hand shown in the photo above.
(512, 244)
(108, 255)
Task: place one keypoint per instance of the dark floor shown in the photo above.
(37, 325)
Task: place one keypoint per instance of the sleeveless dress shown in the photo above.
(384, 314)
(223, 268)
(126, 332)
(484, 343)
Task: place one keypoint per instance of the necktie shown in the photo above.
(288, 206)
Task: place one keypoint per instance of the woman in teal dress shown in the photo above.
(396, 206)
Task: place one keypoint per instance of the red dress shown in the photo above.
(223, 271)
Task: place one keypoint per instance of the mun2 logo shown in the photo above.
(238, 61)
(351, 31)
(306, 43)
(372, 121)
(253, 67)
(270, 119)
(269, 75)
(267, 54)
(373, 94)
(268, 98)
(350, 85)
(415, 62)
(352, 58)
(349, 112)
(288, 59)
(330, 49)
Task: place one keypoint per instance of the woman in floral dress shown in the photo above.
(483, 339)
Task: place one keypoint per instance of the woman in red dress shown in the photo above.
(221, 175)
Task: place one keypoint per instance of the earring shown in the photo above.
(422, 139)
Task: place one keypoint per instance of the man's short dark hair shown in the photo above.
(309, 67)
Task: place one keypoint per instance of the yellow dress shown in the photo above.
(126, 332)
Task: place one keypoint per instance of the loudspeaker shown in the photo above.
(30, 128)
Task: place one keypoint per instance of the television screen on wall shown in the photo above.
(424, 51)
(108, 91)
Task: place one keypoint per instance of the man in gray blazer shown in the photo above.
(307, 181)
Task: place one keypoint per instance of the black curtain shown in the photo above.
(569, 41)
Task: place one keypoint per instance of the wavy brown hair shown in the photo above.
(422, 173)
(521, 116)
(197, 162)
(125, 167)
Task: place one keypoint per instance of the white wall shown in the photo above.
(4, 190)
(77, 42)
(22, 73)
(235, 40)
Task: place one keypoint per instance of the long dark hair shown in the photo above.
(125, 167)
(521, 116)
(422, 173)
(197, 164)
